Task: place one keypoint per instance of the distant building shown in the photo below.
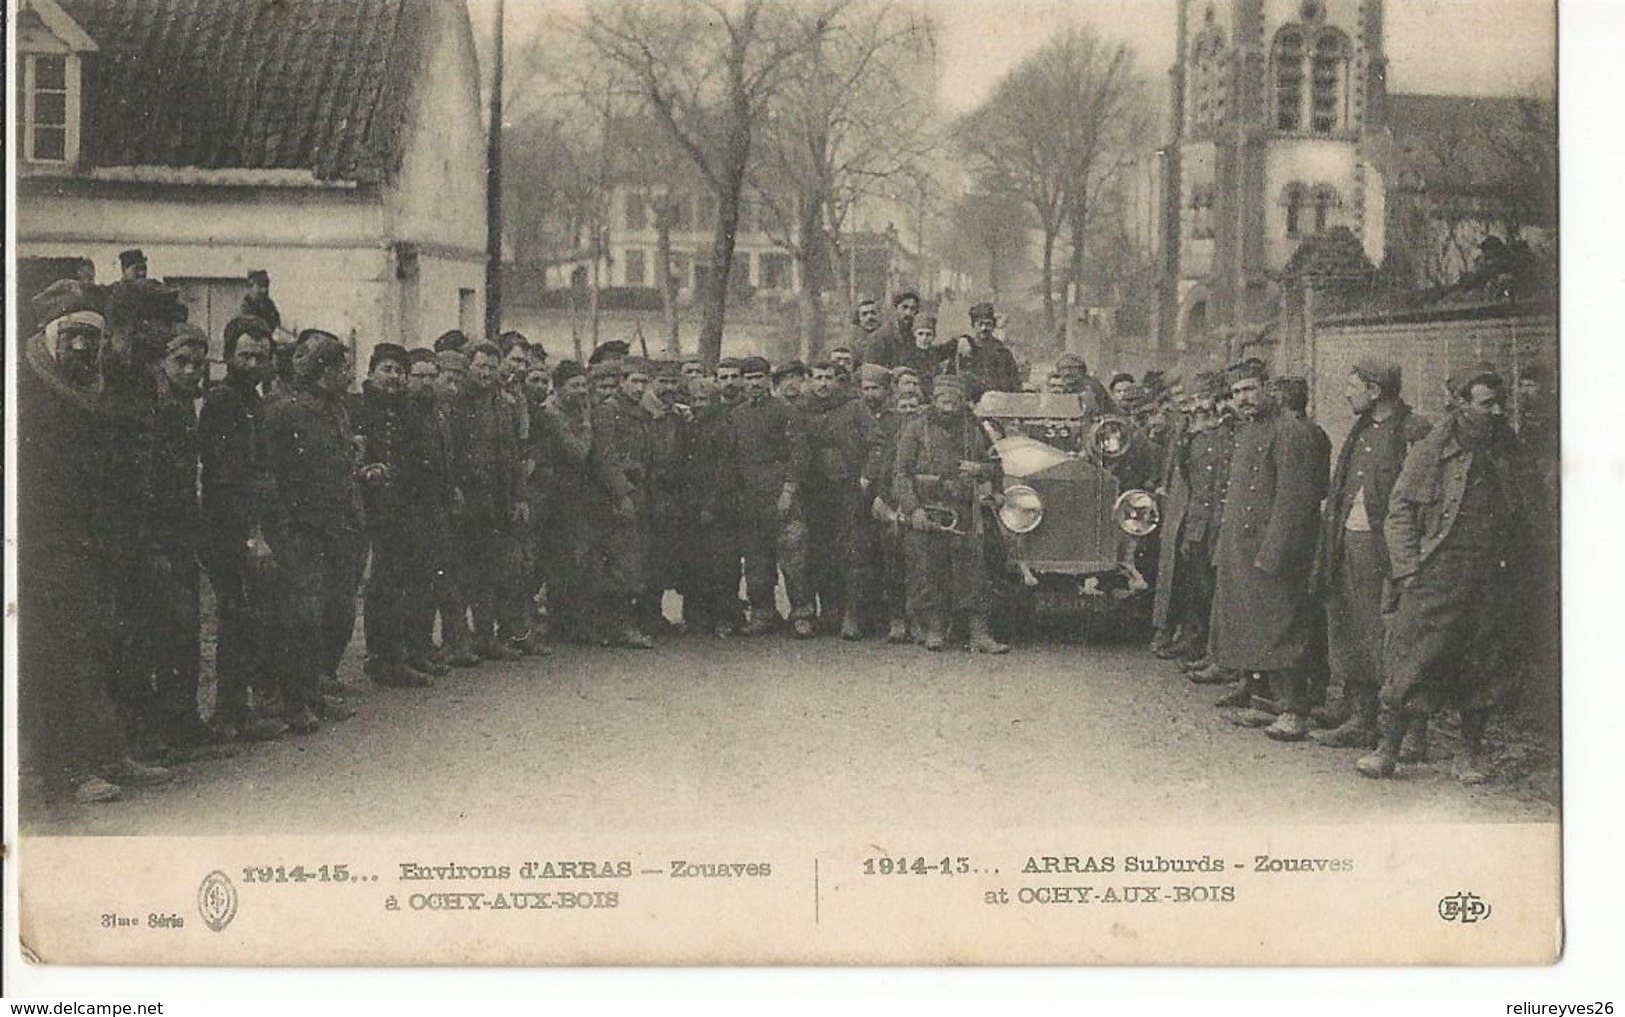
(1277, 137)
(338, 146)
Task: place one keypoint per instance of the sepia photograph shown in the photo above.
(576, 482)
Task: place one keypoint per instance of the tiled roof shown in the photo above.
(317, 85)
(1333, 256)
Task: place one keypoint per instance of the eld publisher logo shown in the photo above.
(1466, 908)
(217, 900)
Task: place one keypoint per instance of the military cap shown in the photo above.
(316, 351)
(791, 369)
(925, 321)
(733, 362)
(1385, 374)
(1070, 361)
(612, 348)
(65, 296)
(983, 312)
(873, 372)
(866, 298)
(259, 275)
(1121, 376)
(389, 351)
(186, 335)
(904, 371)
(247, 324)
(422, 355)
(668, 369)
(905, 295)
(638, 365)
(452, 360)
(511, 338)
(1250, 368)
(131, 257)
(755, 365)
(1463, 379)
(451, 339)
(1208, 385)
(566, 370)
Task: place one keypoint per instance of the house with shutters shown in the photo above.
(338, 146)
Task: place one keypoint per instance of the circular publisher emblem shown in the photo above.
(217, 900)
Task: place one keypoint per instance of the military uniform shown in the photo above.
(317, 536)
(1263, 615)
(841, 434)
(238, 493)
(620, 525)
(1202, 469)
(947, 573)
(711, 464)
(563, 444)
(485, 443)
(172, 635)
(772, 443)
(669, 520)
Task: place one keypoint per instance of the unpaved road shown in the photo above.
(772, 734)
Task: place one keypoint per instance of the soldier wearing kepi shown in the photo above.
(1266, 548)
(173, 631)
(392, 478)
(620, 465)
(772, 444)
(1351, 565)
(1201, 471)
(318, 542)
(237, 493)
(1458, 545)
(943, 462)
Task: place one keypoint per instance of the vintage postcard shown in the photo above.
(882, 482)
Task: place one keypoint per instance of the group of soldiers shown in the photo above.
(487, 502)
(1351, 600)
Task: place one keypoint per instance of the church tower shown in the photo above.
(1276, 124)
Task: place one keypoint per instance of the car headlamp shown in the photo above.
(1110, 438)
(1022, 510)
(1137, 513)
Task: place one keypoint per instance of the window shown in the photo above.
(681, 211)
(1329, 82)
(1293, 199)
(679, 270)
(636, 268)
(1311, 82)
(706, 218)
(43, 107)
(1325, 200)
(1209, 84)
(636, 210)
(1202, 199)
(1288, 65)
(774, 272)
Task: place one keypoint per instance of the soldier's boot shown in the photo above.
(1382, 763)
(1413, 747)
(897, 632)
(851, 631)
(1359, 731)
(981, 638)
(935, 632)
(1477, 766)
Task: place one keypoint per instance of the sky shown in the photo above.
(1456, 47)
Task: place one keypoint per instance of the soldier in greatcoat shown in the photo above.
(841, 433)
(773, 462)
(620, 518)
(712, 480)
(1351, 565)
(318, 536)
(1199, 474)
(73, 511)
(563, 450)
(1262, 617)
(237, 493)
(490, 476)
(1458, 541)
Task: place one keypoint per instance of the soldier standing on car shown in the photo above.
(1351, 566)
(943, 462)
(1458, 544)
(1262, 609)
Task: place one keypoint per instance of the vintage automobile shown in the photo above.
(1075, 537)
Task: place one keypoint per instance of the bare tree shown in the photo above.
(854, 112)
(1055, 132)
(706, 70)
(987, 237)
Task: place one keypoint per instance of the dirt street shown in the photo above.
(773, 734)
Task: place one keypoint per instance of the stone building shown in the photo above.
(1278, 136)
